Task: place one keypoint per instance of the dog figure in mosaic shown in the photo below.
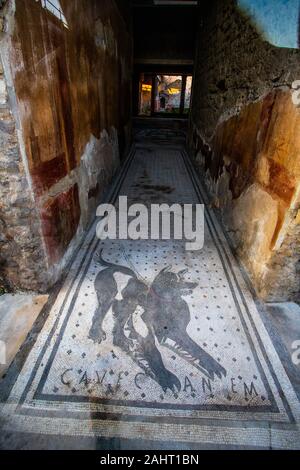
(141, 349)
(170, 316)
(164, 314)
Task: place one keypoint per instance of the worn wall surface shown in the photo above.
(245, 135)
(22, 258)
(69, 89)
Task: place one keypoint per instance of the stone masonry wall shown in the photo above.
(22, 258)
(65, 123)
(245, 136)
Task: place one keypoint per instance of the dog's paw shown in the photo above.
(167, 380)
(214, 368)
(97, 335)
(127, 344)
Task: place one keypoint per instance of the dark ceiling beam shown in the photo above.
(163, 3)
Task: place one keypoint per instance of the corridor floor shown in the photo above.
(199, 370)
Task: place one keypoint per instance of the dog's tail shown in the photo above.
(98, 258)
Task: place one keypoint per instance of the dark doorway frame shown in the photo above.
(160, 70)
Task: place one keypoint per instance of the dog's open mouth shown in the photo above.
(188, 289)
(186, 292)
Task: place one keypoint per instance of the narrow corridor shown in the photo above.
(172, 348)
(149, 224)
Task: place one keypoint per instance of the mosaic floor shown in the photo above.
(146, 340)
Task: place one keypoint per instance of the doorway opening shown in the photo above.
(164, 95)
